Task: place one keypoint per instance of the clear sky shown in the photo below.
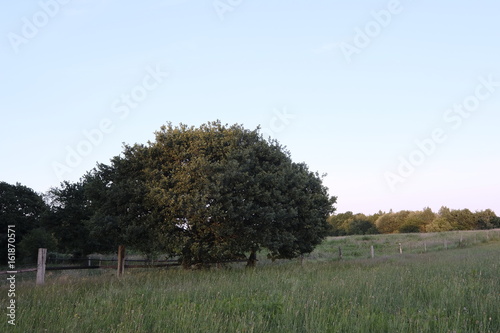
(397, 101)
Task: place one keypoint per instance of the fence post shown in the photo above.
(425, 246)
(40, 269)
(340, 252)
(121, 260)
(372, 251)
(400, 249)
(89, 261)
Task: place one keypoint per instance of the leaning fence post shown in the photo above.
(40, 269)
(372, 251)
(121, 260)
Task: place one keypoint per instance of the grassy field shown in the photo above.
(388, 245)
(457, 290)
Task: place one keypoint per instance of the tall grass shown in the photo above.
(389, 244)
(441, 291)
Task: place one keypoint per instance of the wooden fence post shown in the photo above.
(340, 252)
(372, 251)
(40, 269)
(400, 249)
(121, 260)
(425, 246)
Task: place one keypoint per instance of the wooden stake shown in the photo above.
(121, 261)
(340, 252)
(372, 251)
(40, 269)
(400, 249)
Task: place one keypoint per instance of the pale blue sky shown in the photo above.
(282, 64)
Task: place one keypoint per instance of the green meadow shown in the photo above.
(434, 289)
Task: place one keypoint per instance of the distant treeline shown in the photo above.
(406, 221)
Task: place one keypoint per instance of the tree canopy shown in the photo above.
(412, 221)
(21, 207)
(209, 194)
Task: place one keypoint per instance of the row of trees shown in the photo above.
(412, 221)
(201, 195)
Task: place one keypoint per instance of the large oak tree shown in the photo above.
(211, 194)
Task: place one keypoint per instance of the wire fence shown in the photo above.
(334, 248)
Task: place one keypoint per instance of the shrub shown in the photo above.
(35, 239)
(409, 228)
(361, 227)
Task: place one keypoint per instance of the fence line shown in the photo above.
(121, 261)
(423, 245)
(24, 270)
(120, 267)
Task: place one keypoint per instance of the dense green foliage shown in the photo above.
(32, 241)
(23, 208)
(412, 221)
(209, 194)
(202, 195)
(69, 211)
(445, 291)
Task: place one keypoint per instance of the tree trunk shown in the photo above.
(252, 259)
(186, 263)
